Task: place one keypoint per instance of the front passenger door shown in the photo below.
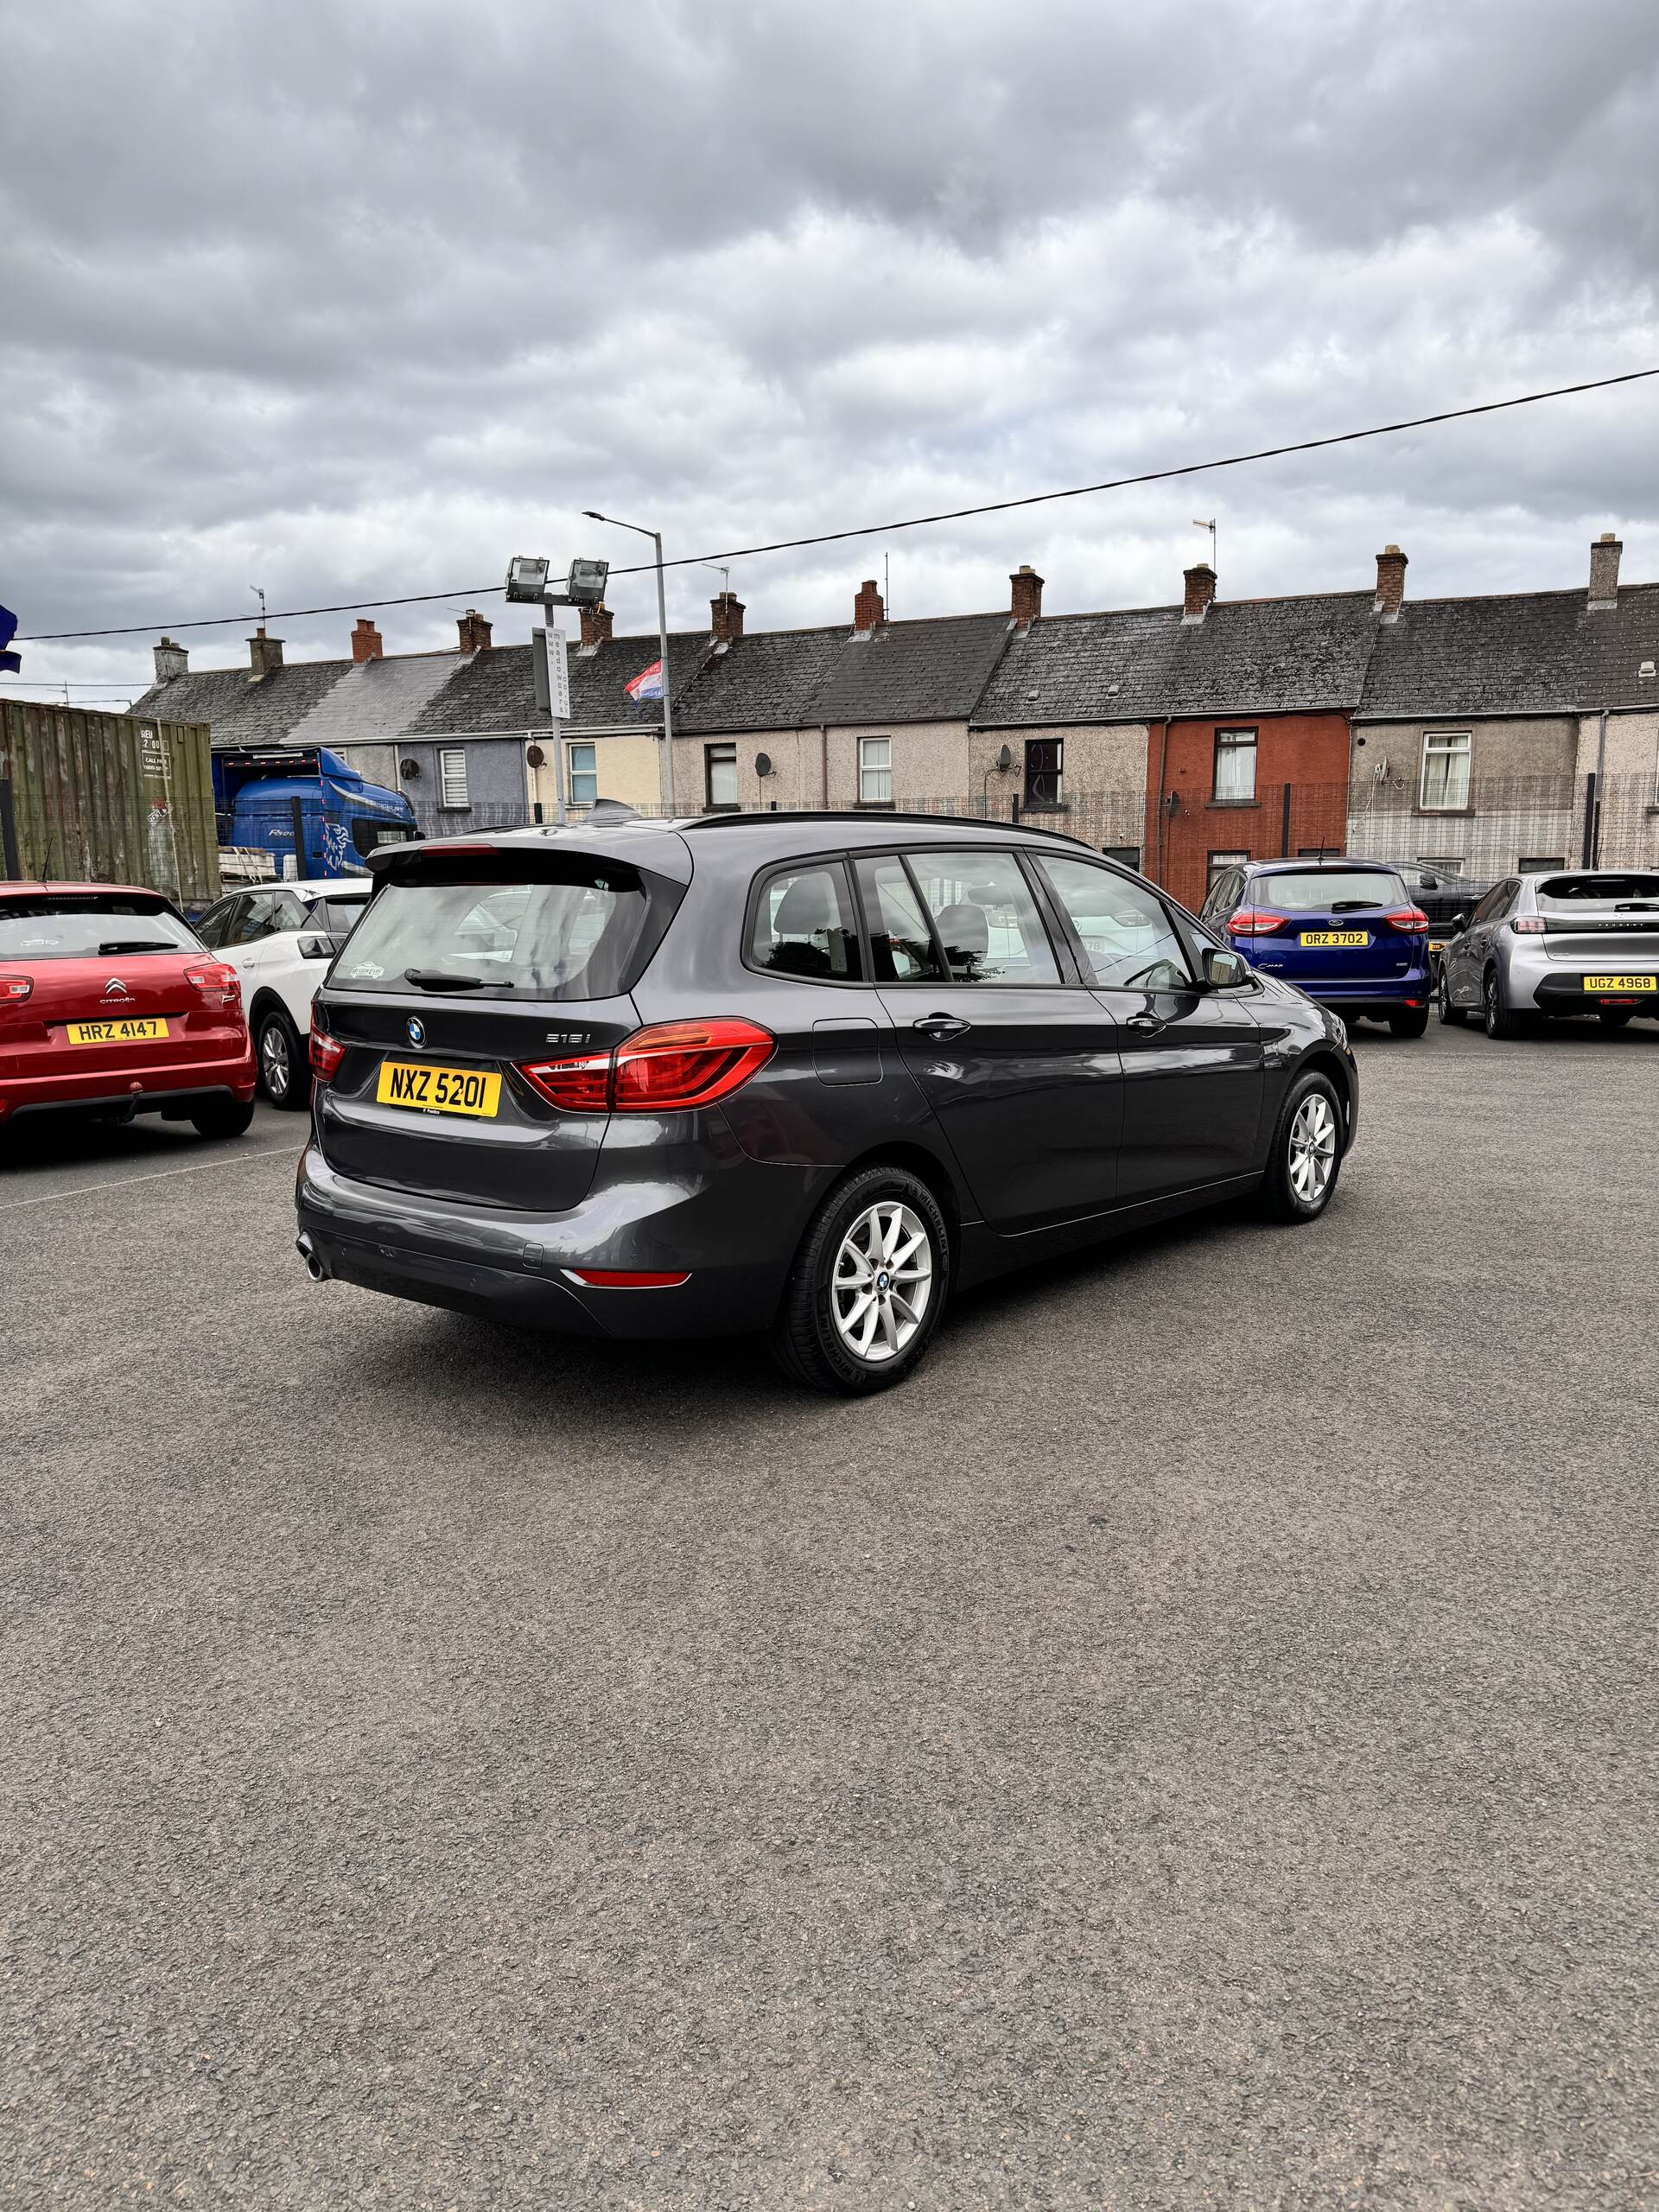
(1192, 1061)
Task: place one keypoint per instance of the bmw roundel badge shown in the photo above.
(416, 1029)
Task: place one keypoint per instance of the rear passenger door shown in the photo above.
(1016, 1058)
(1192, 1061)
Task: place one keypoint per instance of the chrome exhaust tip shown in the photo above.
(308, 1252)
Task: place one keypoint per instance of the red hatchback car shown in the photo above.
(110, 1006)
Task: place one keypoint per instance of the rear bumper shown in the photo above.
(129, 1090)
(735, 1237)
(1560, 993)
(1398, 990)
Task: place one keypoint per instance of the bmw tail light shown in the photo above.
(218, 983)
(14, 989)
(628, 1278)
(1410, 921)
(1530, 925)
(327, 1053)
(578, 1086)
(1249, 921)
(675, 1064)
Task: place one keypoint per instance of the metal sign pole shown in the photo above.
(557, 667)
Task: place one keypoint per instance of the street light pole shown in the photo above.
(665, 783)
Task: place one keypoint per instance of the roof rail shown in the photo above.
(873, 817)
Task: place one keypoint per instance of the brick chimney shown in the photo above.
(265, 654)
(1200, 590)
(868, 612)
(597, 626)
(1604, 571)
(1028, 594)
(726, 613)
(171, 661)
(474, 631)
(366, 643)
(1390, 583)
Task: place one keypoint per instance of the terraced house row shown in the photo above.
(1186, 736)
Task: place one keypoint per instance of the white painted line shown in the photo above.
(159, 1175)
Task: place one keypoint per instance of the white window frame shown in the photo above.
(1245, 738)
(1448, 745)
(875, 771)
(721, 754)
(574, 746)
(1219, 864)
(452, 777)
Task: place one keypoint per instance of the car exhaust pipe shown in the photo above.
(308, 1252)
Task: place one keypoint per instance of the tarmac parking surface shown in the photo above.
(1191, 1747)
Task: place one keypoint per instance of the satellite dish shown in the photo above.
(763, 764)
(1004, 759)
(409, 769)
(534, 755)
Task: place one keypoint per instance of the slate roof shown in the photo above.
(772, 680)
(1082, 668)
(495, 691)
(931, 671)
(241, 711)
(1517, 654)
(1272, 655)
(1616, 643)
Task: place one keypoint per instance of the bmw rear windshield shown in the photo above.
(1322, 890)
(566, 930)
(79, 926)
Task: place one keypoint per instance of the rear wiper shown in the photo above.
(136, 945)
(437, 979)
(1354, 905)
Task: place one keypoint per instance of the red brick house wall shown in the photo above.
(1308, 752)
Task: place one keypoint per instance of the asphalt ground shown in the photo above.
(1192, 1746)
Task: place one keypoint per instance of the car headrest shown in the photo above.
(965, 931)
(806, 907)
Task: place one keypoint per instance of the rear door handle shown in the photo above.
(941, 1025)
(1148, 1024)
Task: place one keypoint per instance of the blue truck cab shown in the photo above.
(312, 812)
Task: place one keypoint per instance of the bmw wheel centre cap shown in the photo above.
(417, 1030)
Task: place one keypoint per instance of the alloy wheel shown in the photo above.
(882, 1282)
(276, 1063)
(1312, 1147)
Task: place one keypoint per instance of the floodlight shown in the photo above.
(526, 580)
(586, 584)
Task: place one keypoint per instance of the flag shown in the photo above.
(9, 623)
(648, 684)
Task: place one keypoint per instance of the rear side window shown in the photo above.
(803, 926)
(901, 944)
(986, 918)
(47, 928)
(1319, 890)
(1571, 891)
(571, 939)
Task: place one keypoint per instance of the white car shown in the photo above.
(280, 939)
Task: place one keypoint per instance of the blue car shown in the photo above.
(1344, 932)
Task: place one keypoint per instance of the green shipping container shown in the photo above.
(108, 798)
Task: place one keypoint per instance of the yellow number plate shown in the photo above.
(438, 1090)
(1335, 937)
(112, 1033)
(1621, 983)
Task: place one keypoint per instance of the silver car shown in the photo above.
(1578, 941)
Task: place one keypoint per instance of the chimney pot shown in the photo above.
(726, 611)
(597, 626)
(366, 640)
(171, 661)
(1603, 571)
(868, 612)
(1390, 583)
(1200, 590)
(474, 631)
(1025, 594)
(265, 654)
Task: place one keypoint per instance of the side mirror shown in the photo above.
(1224, 971)
(1457, 925)
(316, 946)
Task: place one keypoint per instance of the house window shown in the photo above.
(452, 777)
(720, 777)
(582, 761)
(1235, 765)
(1045, 763)
(875, 771)
(1534, 866)
(1446, 768)
(1220, 862)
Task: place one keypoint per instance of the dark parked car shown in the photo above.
(1444, 897)
(803, 1074)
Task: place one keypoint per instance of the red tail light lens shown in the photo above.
(672, 1065)
(1249, 921)
(680, 1064)
(14, 988)
(1411, 921)
(1530, 925)
(219, 983)
(580, 1086)
(327, 1053)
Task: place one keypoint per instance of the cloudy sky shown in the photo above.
(349, 298)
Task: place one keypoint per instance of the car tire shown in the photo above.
(1612, 1017)
(1500, 1022)
(820, 1320)
(280, 1054)
(1305, 1159)
(224, 1118)
(1413, 1022)
(1453, 1016)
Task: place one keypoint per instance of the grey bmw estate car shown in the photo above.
(803, 1075)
